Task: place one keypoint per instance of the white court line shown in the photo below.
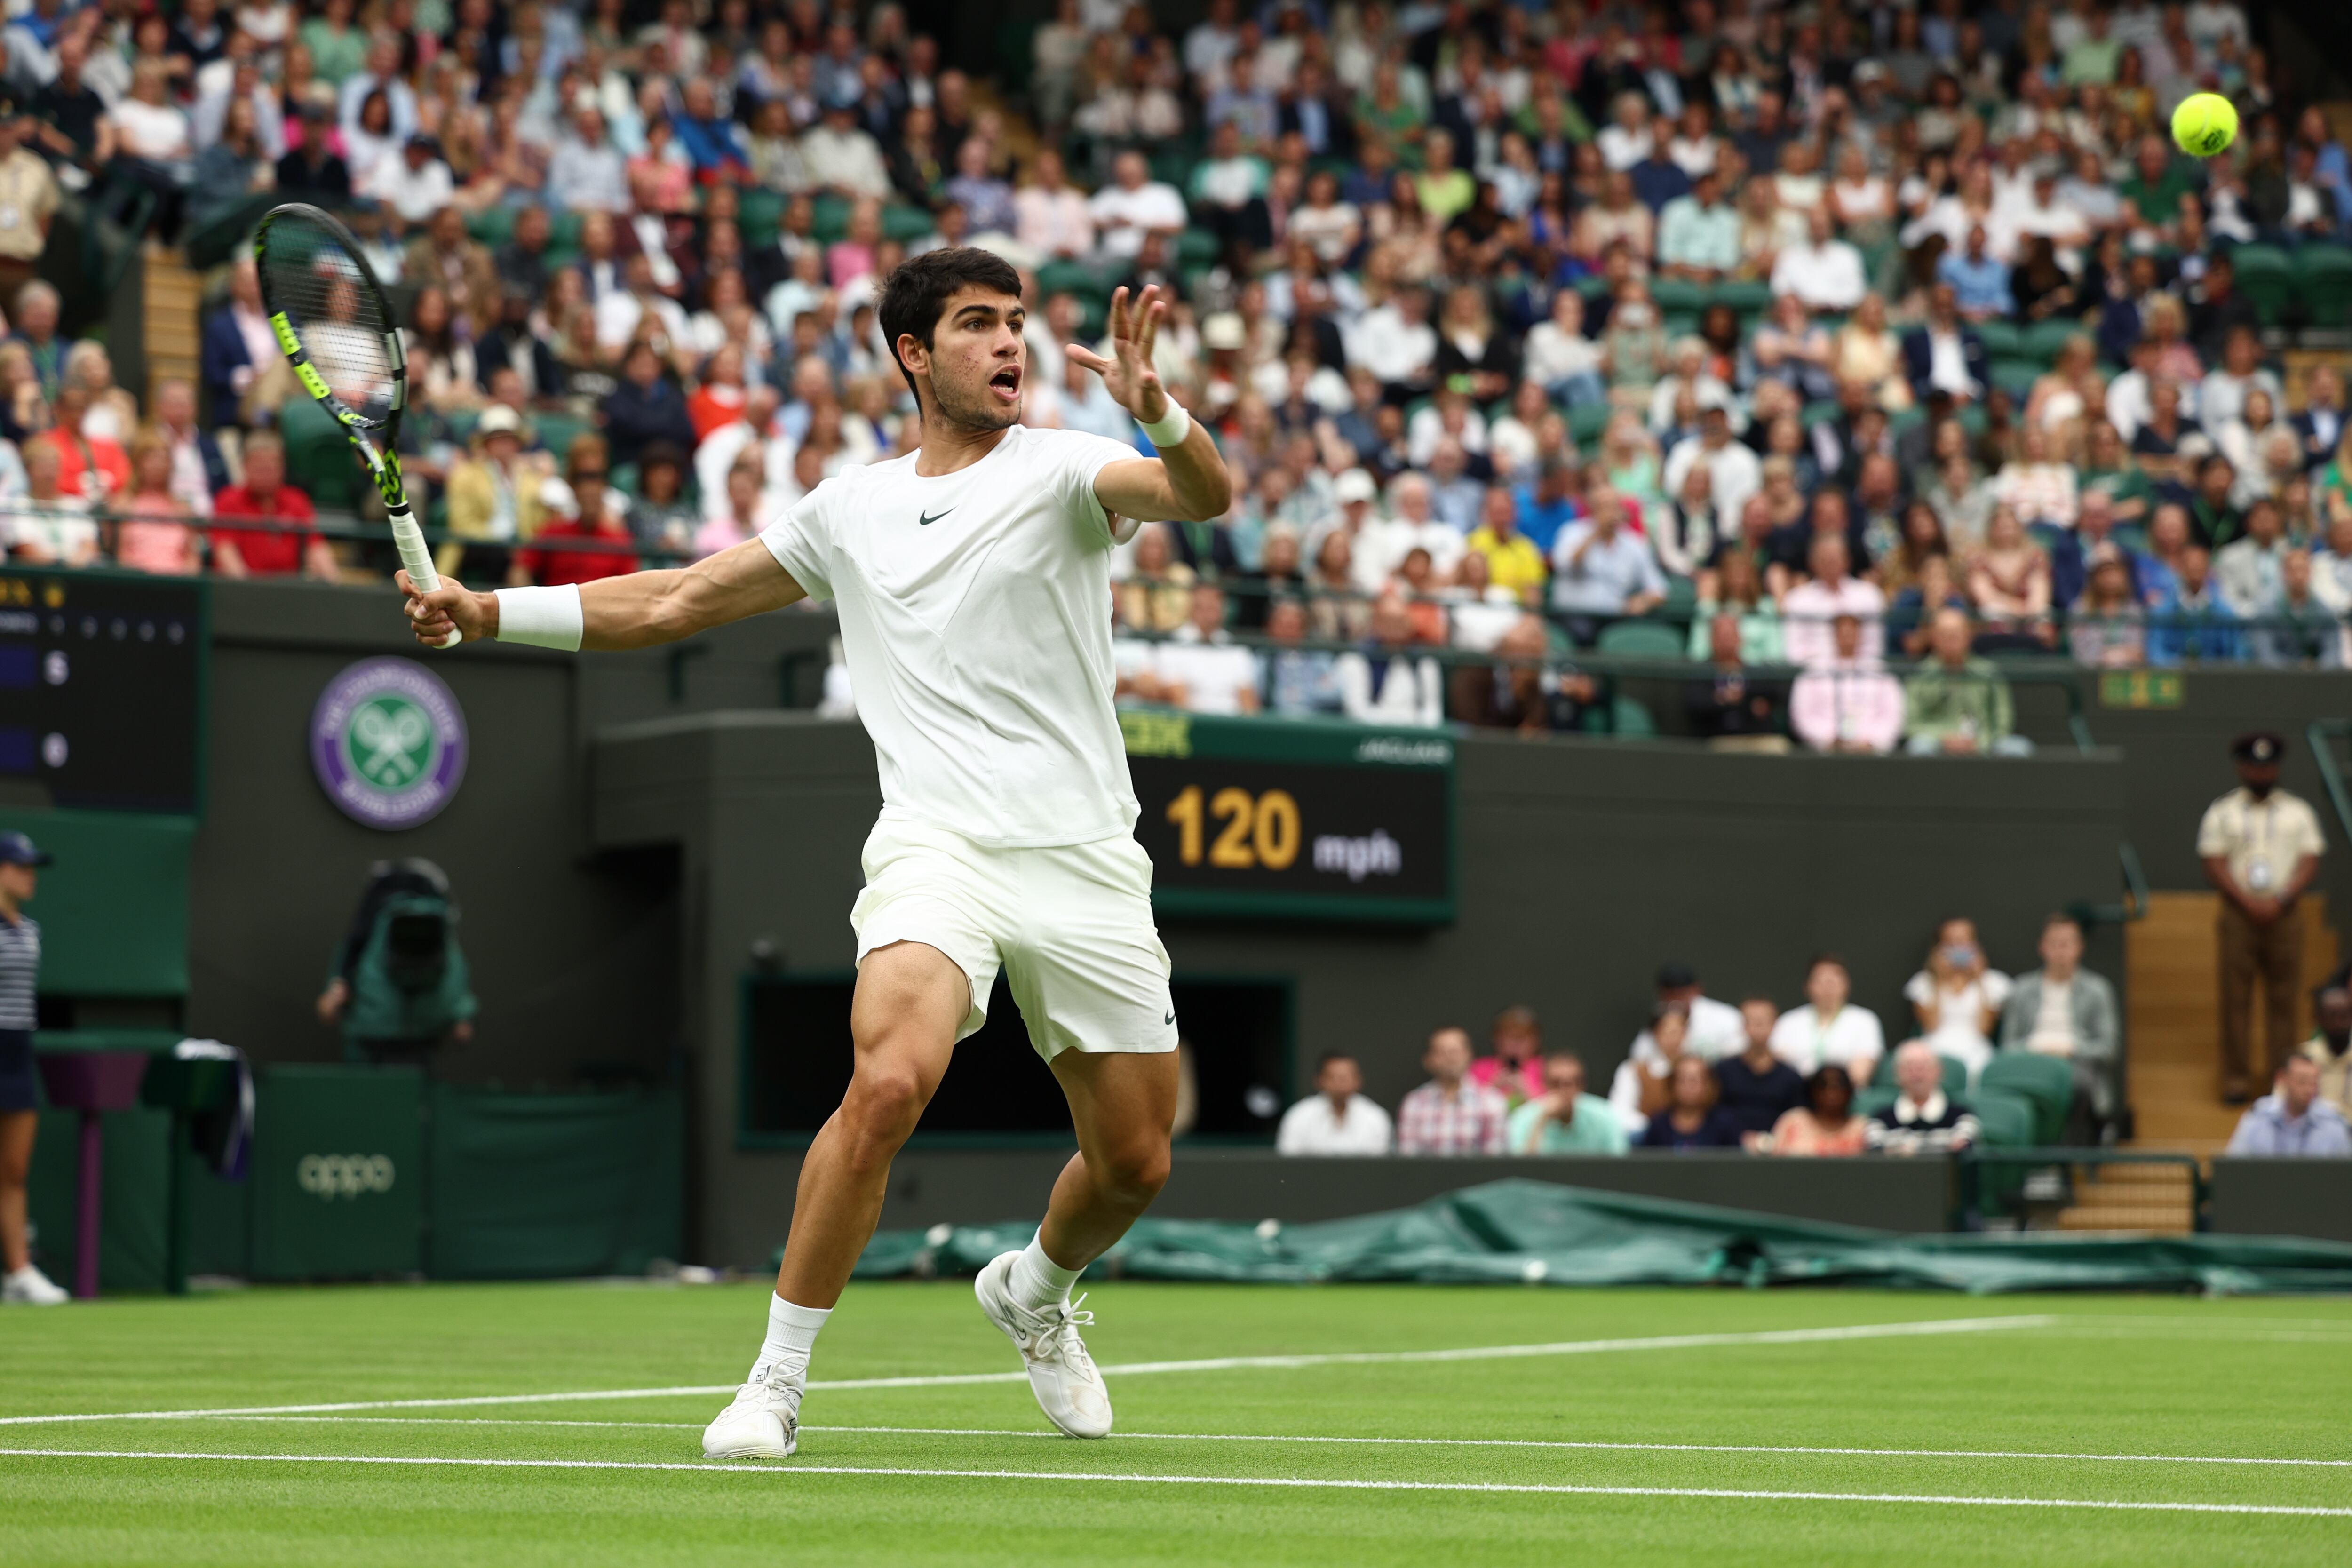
(528, 1421)
(1284, 1482)
(1131, 1369)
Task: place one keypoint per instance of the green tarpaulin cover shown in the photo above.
(1521, 1232)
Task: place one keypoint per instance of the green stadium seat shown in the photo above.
(318, 459)
(2016, 376)
(2267, 278)
(1682, 599)
(2047, 1082)
(1956, 1076)
(1196, 247)
(493, 226)
(2008, 1119)
(556, 431)
(2323, 281)
(1629, 720)
(1749, 297)
(1873, 1099)
(1643, 639)
(2001, 339)
(1678, 324)
(832, 218)
(1821, 411)
(1677, 294)
(1586, 421)
(906, 224)
(563, 232)
(1070, 276)
(759, 215)
(2044, 339)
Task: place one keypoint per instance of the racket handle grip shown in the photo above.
(409, 539)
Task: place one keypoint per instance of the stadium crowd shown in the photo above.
(1833, 352)
(1818, 1080)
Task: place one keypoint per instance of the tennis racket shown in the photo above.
(337, 331)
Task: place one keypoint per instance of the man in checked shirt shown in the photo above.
(1449, 1114)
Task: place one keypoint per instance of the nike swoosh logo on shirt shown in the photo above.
(929, 518)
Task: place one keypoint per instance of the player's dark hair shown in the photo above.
(918, 288)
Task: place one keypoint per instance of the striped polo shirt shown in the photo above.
(20, 971)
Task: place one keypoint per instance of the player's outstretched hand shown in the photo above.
(1129, 372)
(430, 615)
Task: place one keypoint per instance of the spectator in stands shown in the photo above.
(1923, 1120)
(1829, 1029)
(152, 536)
(587, 173)
(1957, 997)
(1387, 684)
(1692, 1118)
(646, 406)
(311, 170)
(1336, 1118)
(495, 498)
(197, 466)
(1562, 1119)
(1847, 702)
(1515, 1069)
(1825, 1125)
(1756, 1088)
(1640, 1088)
(35, 327)
(284, 542)
(1728, 706)
(1944, 356)
(28, 199)
(2192, 623)
(1715, 1029)
(1450, 1114)
(1200, 668)
(1956, 703)
(2330, 1044)
(1810, 610)
(2065, 1011)
(2260, 845)
(1134, 205)
(46, 526)
(1601, 569)
(2292, 1121)
(579, 510)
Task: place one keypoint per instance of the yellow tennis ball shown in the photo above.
(2204, 124)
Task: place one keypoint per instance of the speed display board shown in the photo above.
(1294, 819)
(102, 688)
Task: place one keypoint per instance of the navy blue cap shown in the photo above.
(16, 849)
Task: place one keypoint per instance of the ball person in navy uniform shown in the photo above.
(20, 974)
(2261, 847)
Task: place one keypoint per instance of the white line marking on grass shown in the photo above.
(1284, 1482)
(1132, 1368)
(528, 1421)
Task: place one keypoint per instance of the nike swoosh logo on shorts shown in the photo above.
(1169, 1020)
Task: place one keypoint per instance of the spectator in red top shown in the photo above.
(721, 399)
(595, 514)
(92, 466)
(266, 497)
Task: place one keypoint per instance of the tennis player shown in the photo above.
(973, 579)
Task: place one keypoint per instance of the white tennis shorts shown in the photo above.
(1071, 926)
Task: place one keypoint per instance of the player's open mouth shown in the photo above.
(1006, 384)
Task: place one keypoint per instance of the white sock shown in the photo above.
(1037, 1282)
(791, 1334)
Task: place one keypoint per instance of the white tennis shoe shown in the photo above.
(1063, 1377)
(762, 1422)
(31, 1288)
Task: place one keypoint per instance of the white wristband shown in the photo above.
(1172, 428)
(542, 617)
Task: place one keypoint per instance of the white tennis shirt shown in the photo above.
(975, 617)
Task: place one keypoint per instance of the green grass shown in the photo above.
(2107, 1375)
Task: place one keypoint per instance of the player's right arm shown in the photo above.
(642, 609)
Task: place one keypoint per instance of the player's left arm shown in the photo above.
(1187, 482)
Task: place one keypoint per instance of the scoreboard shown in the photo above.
(1294, 819)
(102, 687)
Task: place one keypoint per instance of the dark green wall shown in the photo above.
(1586, 863)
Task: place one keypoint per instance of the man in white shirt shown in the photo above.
(1825, 272)
(1829, 1030)
(381, 74)
(841, 157)
(1134, 204)
(1808, 608)
(587, 173)
(1202, 669)
(2260, 847)
(1396, 341)
(417, 185)
(1732, 465)
(1382, 543)
(1336, 1118)
(971, 576)
(1050, 215)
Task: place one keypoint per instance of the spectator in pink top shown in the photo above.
(1833, 591)
(152, 538)
(1848, 702)
(1516, 1070)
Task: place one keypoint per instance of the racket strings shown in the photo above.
(336, 314)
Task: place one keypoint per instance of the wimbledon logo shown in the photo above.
(388, 742)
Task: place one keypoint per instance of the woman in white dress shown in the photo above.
(1957, 997)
